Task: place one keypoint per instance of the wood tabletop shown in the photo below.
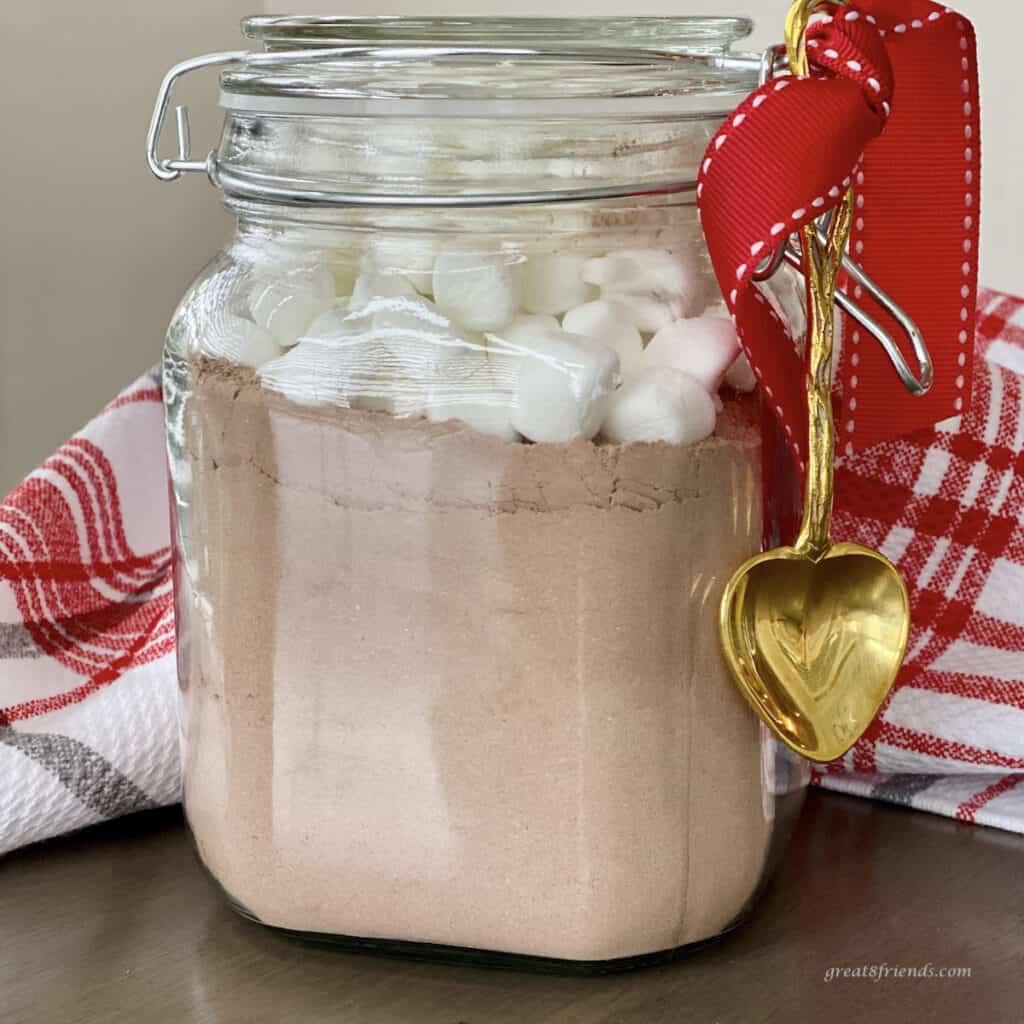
(118, 925)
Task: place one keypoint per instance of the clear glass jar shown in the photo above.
(453, 513)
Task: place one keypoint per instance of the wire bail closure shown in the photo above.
(774, 60)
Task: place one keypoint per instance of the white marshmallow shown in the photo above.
(346, 273)
(286, 304)
(479, 390)
(372, 284)
(321, 282)
(704, 347)
(660, 404)
(411, 345)
(480, 289)
(553, 283)
(411, 256)
(286, 311)
(608, 323)
(241, 341)
(740, 376)
(526, 326)
(343, 373)
(565, 381)
(655, 286)
(285, 269)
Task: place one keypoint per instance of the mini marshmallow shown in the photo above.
(609, 324)
(411, 256)
(660, 404)
(565, 382)
(704, 347)
(341, 373)
(372, 284)
(655, 286)
(241, 341)
(288, 304)
(413, 346)
(740, 376)
(527, 326)
(479, 390)
(317, 279)
(553, 283)
(346, 273)
(480, 289)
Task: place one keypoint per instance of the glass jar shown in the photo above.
(457, 485)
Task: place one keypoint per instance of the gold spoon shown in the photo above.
(814, 634)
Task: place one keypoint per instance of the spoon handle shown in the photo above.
(821, 266)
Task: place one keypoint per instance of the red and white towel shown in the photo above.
(947, 506)
(88, 725)
(87, 670)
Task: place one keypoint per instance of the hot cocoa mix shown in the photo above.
(445, 687)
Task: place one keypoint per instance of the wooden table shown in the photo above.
(118, 925)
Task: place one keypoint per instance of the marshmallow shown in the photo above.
(481, 289)
(609, 324)
(526, 326)
(655, 286)
(316, 279)
(344, 372)
(373, 284)
(554, 283)
(346, 273)
(704, 347)
(565, 381)
(409, 347)
(660, 404)
(479, 390)
(740, 376)
(286, 306)
(411, 256)
(241, 341)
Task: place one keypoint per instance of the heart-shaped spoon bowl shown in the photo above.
(815, 645)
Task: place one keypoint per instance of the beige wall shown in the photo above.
(94, 252)
(1000, 41)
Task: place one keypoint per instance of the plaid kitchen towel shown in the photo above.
(87, 671)
(947, 506)
(88, 725)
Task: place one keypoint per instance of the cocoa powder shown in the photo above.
(444, 688)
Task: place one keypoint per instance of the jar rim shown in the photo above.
(625, 89)
(693, 32)
(412, 60)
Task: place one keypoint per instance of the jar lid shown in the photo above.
(350, 111)
(496, 67)
(672, 35)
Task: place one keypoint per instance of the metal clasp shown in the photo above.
(774, 59)
(168, 170)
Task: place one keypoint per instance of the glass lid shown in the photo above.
(517, 66)
(441, 111)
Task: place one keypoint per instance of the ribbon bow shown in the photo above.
(891, 107)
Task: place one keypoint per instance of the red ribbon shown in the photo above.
(891, 105)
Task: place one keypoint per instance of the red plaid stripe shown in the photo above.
(86, 599)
